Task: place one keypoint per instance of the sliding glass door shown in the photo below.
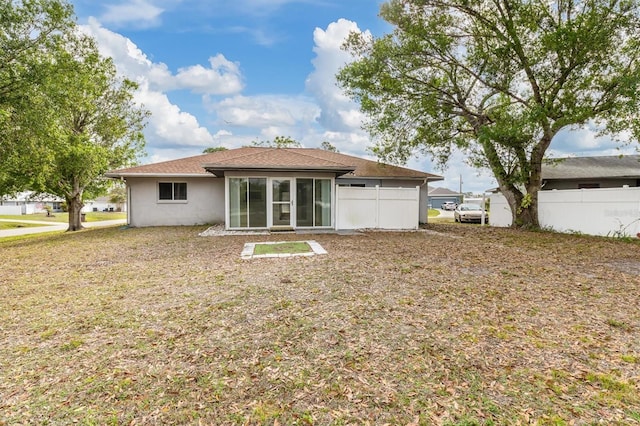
(248, 202)
(279, 202)
(313, 202)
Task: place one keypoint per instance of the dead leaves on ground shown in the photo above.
(459, 325)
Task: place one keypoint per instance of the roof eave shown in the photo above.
(419, 178)
(115, 175)
(220, 171)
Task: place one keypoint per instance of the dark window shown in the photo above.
(180, 191)
(588, 185)
(169, 191)
(165, 191)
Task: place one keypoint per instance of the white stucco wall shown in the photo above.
(204, 204)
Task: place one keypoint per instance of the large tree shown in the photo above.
(30, 30)
(498, 79)
(68, 117)
(95, 126)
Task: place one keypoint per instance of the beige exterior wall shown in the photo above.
(204, 204)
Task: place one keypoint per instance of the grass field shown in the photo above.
(64, 217)
(14, 225)
(456, 325)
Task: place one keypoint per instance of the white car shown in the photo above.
(470, 213)
(448, 205)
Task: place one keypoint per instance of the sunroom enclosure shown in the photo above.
(279, 202)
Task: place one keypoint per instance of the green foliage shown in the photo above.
(118, 194)
(69, 118)
(497, 80)
(328, 146)
(30, 31)
(279, 142)
(213, 149)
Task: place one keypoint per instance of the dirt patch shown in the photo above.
(459, 325)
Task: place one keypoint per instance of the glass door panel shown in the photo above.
(238, 202)
(304, 202)
(248, 202)
(257, 202)
(323, 202)
(281, 202)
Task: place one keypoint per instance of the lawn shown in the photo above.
(457, 325)
(282, 247)
(17, 224)
(64, 217)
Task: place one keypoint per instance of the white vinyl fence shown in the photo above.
(605, 211)
(12, 210)
(377, 208)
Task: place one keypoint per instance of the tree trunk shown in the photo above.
(524, 207)
(74, 206)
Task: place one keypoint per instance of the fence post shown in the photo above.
(377, 206)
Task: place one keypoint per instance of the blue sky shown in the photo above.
(229, 72)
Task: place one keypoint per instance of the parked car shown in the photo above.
(469, 213)
(448, 205)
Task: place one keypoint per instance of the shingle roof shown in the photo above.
(593, 167)
(253, 158)
(441, 191)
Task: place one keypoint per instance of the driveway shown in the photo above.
(52, 226)
(445, 214)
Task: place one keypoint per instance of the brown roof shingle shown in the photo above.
(613, 166)
(252, 158)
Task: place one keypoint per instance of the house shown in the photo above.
(104, 204)
(263, 188)
(29, 202)
(438, 196)
(591, 172)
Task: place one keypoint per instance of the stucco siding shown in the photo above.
(204, 204)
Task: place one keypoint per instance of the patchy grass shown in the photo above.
(433, 213)
(64, 217)
(458, 325)
(17, 224)
(282, 247)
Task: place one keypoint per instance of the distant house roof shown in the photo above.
(442, 192)
(627, 166)
(274, 159)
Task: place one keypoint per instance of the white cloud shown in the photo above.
(139, 13)
(339, 113)
(223, 77)
(266, 111)
(169, 128)
(168, 125)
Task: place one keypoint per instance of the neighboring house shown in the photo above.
(591, 172)
(29, 202)
(259, 188)
(438, 196)
(104, 204)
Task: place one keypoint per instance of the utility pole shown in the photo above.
(461, 196)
